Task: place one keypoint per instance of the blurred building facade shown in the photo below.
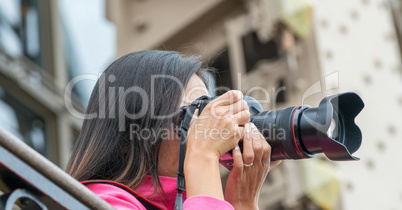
(295, 51)
(33, 77)
(42, 49)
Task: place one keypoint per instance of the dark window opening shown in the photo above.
(222, 75)
(23, 122)
(254, 50)
(20, 29)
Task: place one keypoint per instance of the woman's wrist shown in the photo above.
(196, 161)
(199, 156)
(202, 175)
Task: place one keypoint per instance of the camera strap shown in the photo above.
(199, 104)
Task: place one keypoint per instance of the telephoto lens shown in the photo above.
(302, 131)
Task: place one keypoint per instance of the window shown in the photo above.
(22, 122)
(89, 41)
(20, 29)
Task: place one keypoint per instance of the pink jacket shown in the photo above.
(121, 199)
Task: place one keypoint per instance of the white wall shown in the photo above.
(357, 38)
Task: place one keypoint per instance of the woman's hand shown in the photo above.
(214, 133)
(249, 170)
(217, 130)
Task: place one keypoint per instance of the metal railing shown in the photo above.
(26, 174)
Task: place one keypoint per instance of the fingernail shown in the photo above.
(237, 147)
(247, 128)
(252, 125)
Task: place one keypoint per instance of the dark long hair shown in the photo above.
(105, 148)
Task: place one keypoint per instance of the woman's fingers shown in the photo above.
(242, 117)
(248, 151)
(239, 106)
(230, 97)
(239, 132)
(257, 143)
(274, 164)
(228, 104)
(266, 154)
(237, 161)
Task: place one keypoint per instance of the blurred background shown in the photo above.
(298, 50)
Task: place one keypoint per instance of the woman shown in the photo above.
(129, 137)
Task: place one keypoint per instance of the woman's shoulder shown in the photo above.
(122, 197)
(116, 196)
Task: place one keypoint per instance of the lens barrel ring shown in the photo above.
(288, 119)
(300, 148)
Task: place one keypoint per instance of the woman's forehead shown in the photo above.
(195, 88)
